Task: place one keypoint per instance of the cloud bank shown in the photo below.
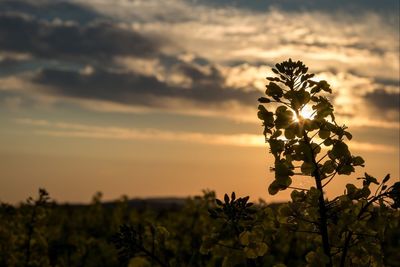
(154, 55)
(77, 130)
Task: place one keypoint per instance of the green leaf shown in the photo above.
(264, 100)
(364, 192)
(328, 142)
(351, 189)
(274, 91)
(348, 135)
(281, 109)
(310, 125)
(297, 196)
(244, 238)
(317, 258)
(369, 179)
(387, 177)
(324, 134)
(299, 98)
(273, 188)
(162, 234)
(325, 86)
(358, 161)
(315, 148)
(328, 167)
(226, 199)
(255, 250)
(346, 169)
(290, 133)
(276, 146)
(262, 249)
(339, 150)
(139, 262)
(307, 168)
(284, 117)
(283, 182)
(310, 256)
(276, 134)
(266, 116)
(283, 169)
(313, 194)
(323, 108)
(321, 85)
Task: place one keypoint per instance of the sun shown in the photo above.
(305, 113)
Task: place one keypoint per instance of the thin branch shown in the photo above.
(376, 191)
(321, 143)
(322, 158)
(330, 179)
(314, 135)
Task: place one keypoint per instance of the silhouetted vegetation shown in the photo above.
(358, 228)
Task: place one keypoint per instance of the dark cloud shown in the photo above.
(388, 82)
(10, 66)
(50, 10)
(93, 42)
(384, 100)
(382, 6)
(135, 89)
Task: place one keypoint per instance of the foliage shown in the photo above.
(315, 146)
(75, 235)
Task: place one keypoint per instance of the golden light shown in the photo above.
(305, 113)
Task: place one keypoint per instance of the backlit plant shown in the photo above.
(315, 145)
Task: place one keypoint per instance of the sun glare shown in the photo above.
(306, 113)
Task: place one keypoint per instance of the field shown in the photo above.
(176, 232)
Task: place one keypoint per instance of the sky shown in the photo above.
(158, 98)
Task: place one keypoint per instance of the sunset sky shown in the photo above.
(153, 98)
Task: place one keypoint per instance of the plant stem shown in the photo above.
(321, 203)
(345, 248)
(31, 228)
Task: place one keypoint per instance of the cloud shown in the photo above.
(76, 130)
(383, 6)
(136, 89)
(49, 9)
(363, 122)
(64, 40)
(213, 64)
(384, 100)
(123, 97)
(73, 130)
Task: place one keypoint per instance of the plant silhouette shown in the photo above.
(312, 146)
